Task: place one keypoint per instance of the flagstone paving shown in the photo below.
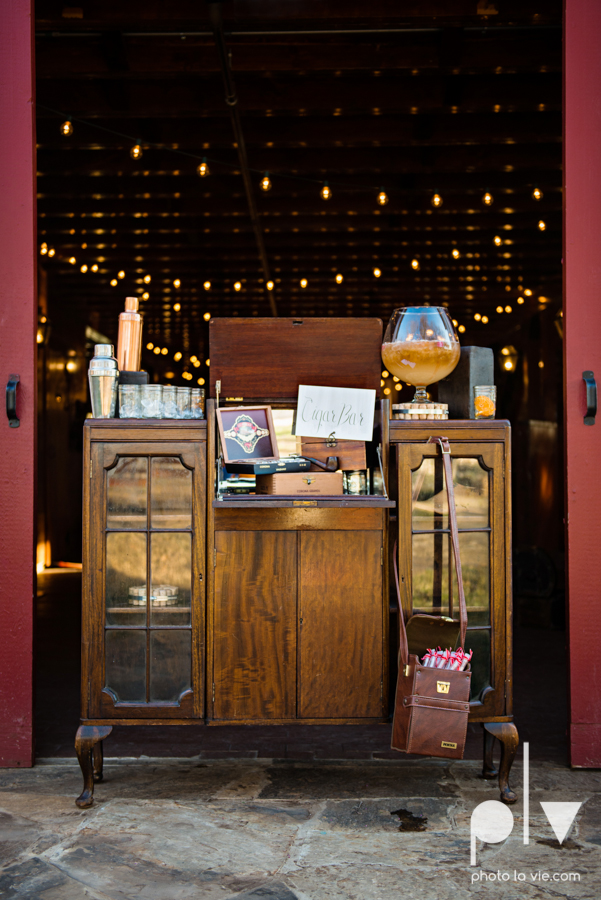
(279, 830)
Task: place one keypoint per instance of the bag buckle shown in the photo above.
(443, 442)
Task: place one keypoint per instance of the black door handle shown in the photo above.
(591, 397)
(11, 400)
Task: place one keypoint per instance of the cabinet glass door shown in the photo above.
(152, 513)
(429, 582)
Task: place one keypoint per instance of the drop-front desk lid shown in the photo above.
(268, 358)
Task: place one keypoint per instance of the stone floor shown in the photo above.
(263, 829)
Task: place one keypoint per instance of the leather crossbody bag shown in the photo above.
(432, 705)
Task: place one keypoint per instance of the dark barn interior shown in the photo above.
(448, 111)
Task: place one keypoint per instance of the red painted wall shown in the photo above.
(582, 348)
(18, 319)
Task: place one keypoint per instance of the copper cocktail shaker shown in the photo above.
(129, 341)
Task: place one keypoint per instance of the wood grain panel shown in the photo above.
(254, 639)
(248, 519)
(340, 625)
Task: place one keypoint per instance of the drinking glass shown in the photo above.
(129, 401)
(151, 400)
(197, 403)
(183, 403)
(169, 402)
(420, 346)
(485, 401)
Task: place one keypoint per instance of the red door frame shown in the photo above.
(18, 355)
(582, 323)
(582, 351)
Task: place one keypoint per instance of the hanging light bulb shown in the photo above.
(499, 309)
(484, 319)
(265, 182)
(150, 346)
(51, 251)
(415, 264)
(145, 296)
(542, 225)
(114, 282)
(527, 292)
(121, 274)
(203, 168)
(487, 199)
(537, 194)
(303, 282)
(206, 316)
(72, 260)
(207, 285)
(436, 200)
(237, 286)
(455, 253)
(269, 285)
(94, 268)
(326, 193)
(177, 307)
(377, 273)
(176, 283)
(67, 127)
(147, 279)
(339, 278)
(508, 309)
(135, 152)
(83, 269)
(382, 198)
(177, 355)
(520, 300)
(44, 249)
(497, 241)
(477, 317)
(461, 329)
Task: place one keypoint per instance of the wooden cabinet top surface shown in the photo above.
(146, 429)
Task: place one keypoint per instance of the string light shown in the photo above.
(177, 307)
(377, 273)
(382, 198)
(94, 268)
(303, 282)
(207, 362)
(136, 152)
(436, 201)
(67, 128)
(114, 282)
(461, 329)
(203, 168)
(207, 285)
(237, 286)
(121, 274)
(541, 364)
(455, 253)
(541, 225)
(477, 317)
(44, 249)
(157, 350)
(527, 292)
(497, 241)
(455, 323)
(385, 374)
(147, 279)
(537, 194)
(145, 296)
(339, 278)
(485, 319)
(520, 300)
(72, 260)
(487, 199)
(265, 182)
(206, 316)
(84, 269)
(415, 264)
(326, 193)
(51, 251)
(149, 345)
(177, 283)
(508, 309)
(499, 309)
(269, 285)
(164, 351)
(177, 355)
(200, 381)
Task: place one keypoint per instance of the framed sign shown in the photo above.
(247, 432)
(348, 413)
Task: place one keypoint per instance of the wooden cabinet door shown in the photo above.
(426, 571)
(340, 624)
(144, 551)
(254, 625)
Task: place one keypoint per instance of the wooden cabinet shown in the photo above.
(144, 571)
(298, 624)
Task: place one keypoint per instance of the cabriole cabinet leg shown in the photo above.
(88, 746)
(489, 770)
(507, 733)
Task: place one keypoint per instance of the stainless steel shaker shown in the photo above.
(103, 376)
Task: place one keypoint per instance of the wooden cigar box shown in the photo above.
(310, 483)
(351, 454)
